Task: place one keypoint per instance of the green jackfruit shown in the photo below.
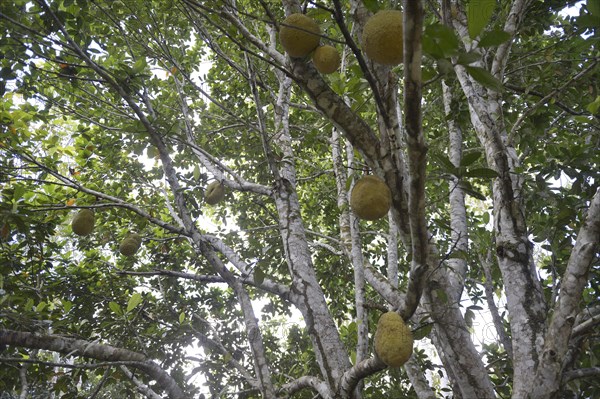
(382, 37)
(215, 192)
(370, 198)
(299, 35)
(393, 340)
(326, 59)
(130, 244)
(83, 222)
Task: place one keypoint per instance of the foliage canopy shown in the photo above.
(487, 136)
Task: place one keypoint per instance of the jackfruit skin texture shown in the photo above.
(214, 193)
(299, 42)
(371, 198)
(382, 37)
(83, 222)
(130, 244)
(393, 340)
(326, 59)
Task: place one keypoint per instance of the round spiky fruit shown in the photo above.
(326, 59)
(370, 198)
(215, 192)
(83, 222)
(130, 244)
(299, 35)
(382, 37)
(393, 340)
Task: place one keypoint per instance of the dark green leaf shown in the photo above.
(372, 5)
(469, 317)
(468, 58)
(593, 7)
(471, 191)
(494, 38)
(422, 331)
(479, 13)
(469, 158)
(444, 66)
(439, 41)
(475, 307)
(259, 276)
(483, 76)
(445, 163)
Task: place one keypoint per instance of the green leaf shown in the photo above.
(479, 13)
(485, 217)
(67, 305)
(422, 331)
(41, 306)
(139, 66)
(467, 188)
(469, 317)
(372, 5)
(445, 164)
(593, 7)
(475, 307)
(181, 317)
(444, 66)
(439, 41)
(469, 158)
(594, 105)
(468, 58)
(494, 38)
(115, 307)
(484, 173)
(441, 294)
(459, 254)
(482, 76)
(259, 276)
(134, 300)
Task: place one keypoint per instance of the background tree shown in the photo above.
(487, 136)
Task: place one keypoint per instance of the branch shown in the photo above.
(586, 325)
(457, 267)
(489, 297)
(77, 347)
(216, 345)
(267, 285)
(339, 19)
(115, 201)
(353, 376)
(580, 373)
(307, 382)
(254, 336)
(549, 96)
(565, 311)
(559, 104)
(382, 285)
(141, 387)
(515, 16)
(417, 150)
(418, 380)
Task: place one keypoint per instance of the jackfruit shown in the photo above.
(382, 37)
(130, 244)
(393, 340)
(215, 192)
(326, 59)
(83, 222)
(371, 198)
(299, 35)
